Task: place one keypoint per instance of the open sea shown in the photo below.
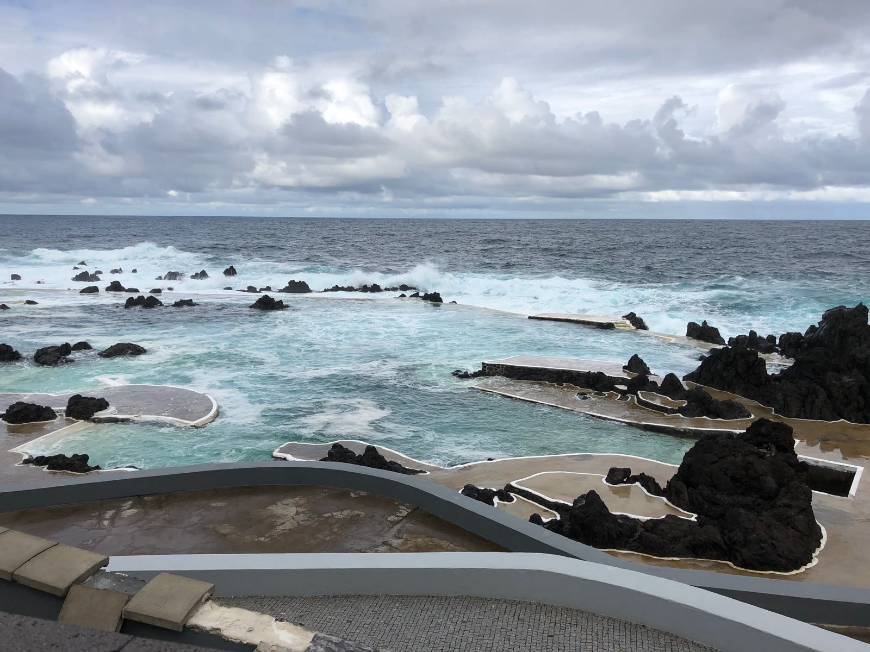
(378, 369)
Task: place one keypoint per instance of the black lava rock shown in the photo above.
(184, 303)
(700, 404)
(704, 332)
(31, 302)
(230, 271)
(117, 270)
(15, 277)
(636, 321)
(621, 475)
(266, 302)
(296, 287)
(86, 277)
(84, 407)
(155, 291)
(171, 276)
(465, 375)
(201, 275)
(115, 286)
(370, 458)
(132, 290)
(754, 341)
(143, 302)
(21, 412)
(91, 289)
(75, 463)
(486, 495)
(636, 365)
(3, 306)
(8, 354)
(122, 348)
(81, 346)
(48, 356)
(433, 297)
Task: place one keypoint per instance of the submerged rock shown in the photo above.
(31, 302)
(704, 332)
(84, 407)
(143, 302)
(266, 302)
(122, 348)
(749, 491)
(21, 412)
(636, 321)
(636, 365)
(370, 458)
(91, 289)
(296, 287)
(48, 356)
(700, 404)
(230, 271)
(828, 380)
(75, 463)
(3, 306)
(8, 354)
(486, 495)
(465, 375)
(86, 277)
(115, 286)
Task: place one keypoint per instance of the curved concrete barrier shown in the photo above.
(801, 600)
(685, 611)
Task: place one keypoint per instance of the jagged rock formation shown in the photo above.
(84, 407)
(143, 302)
(486, 495)
(749, 491)
(122, 348)
(829, 379)
(672, 387)
(636, 365)
(48, 356)
(370, 458)
(623, 475)
(296, 287)
(75, 463)
(636, 321)
(8, 354)
(86, 277)
(230, 271)
(115, 286)
(201, 275)
(465, 375)
(700, 404)
(21, 412)
(266, 302)
(754, 341)
(704, 332)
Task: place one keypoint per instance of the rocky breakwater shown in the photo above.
(829, 379)
(750, 494)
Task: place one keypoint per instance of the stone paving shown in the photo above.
(432, 623)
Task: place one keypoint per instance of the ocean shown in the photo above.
(368, 367)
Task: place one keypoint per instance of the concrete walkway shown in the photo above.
(444, 623)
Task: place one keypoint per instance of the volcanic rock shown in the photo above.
(296, 287)
(86, 277)
(75, 463)
(48, 356)
(21, 412)
(115, 286)
(700, 404)
(636, 321)
(433, 297)
(143, 302)
(84, 407)
(15, 277)
(341, 288)
(184, 303)
(132, 290)
(266, 302)
(201, 275)
(31, 302)
(230, 271)
(81, 346)
(370, 458)
(704, 332)
(91, 289)
(117, 270)
(753, 341)
(155, 291)
(3, 306)
(171, 276)
(636, 365)
(8, 354)
(122, 348)
(790, 344)
(465, 375)
(251, 289)
(268, 288)
(486, 495)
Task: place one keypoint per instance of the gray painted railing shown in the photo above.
(801, 600)
(685, 611)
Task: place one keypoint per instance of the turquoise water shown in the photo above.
(372, 369)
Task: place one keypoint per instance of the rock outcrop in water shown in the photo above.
(184, 303)
(749, 491)
(84, 407)
(636, 321)
(86, 277)
(230, 271)
(21, 412)
(486, 495)
(15, 277)
(704, 332)
(370, 458)
(91, 289)
(171, 276)
(201, 275)
(75, 463)
(465, 375)
(122, 349)
(49, 356)
(754, 341)
(636, 365)
(829, 379)
(266, 302)
(143, 302)
(3, 306)
(672, 387)
(296, 287)
(8, 354)
(433, 297)
(81, 346)
(115, 286)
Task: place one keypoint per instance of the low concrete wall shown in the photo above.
(665, 605)
(802, 600)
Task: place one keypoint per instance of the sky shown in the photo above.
(501, 108)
